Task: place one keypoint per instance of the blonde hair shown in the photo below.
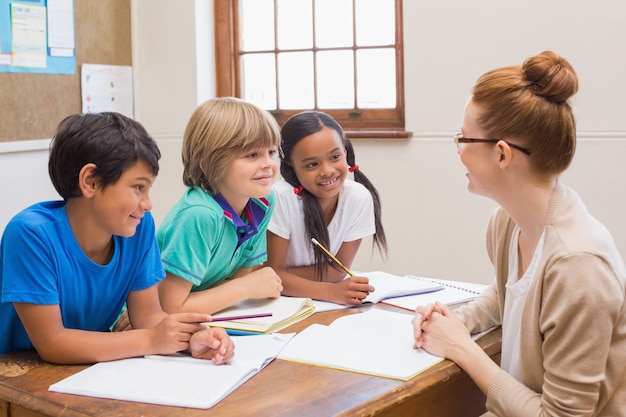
(529, 102)
(218, 131)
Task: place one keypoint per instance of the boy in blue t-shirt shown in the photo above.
(67, 267)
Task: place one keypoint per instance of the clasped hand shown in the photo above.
(438, 331)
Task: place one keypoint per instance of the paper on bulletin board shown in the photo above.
(29, 35)
(37, 36)
(107, 88)
(61, 38)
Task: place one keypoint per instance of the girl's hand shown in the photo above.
(262, 283)
(172, 334)
(351, 290)
(212, 343)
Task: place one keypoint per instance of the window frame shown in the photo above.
(362, 123)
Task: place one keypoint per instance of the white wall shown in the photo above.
(23, 177)
(434, 226)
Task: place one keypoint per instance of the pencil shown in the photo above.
(233, 332)
(330, 255)
(246, 316)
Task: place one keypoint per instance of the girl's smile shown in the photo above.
(319, 162)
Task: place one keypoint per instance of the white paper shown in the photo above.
(388, 286)
(61, 28)
(176, 381)
(29, 35)
(453, 292)
(107, 88)
(376, 342)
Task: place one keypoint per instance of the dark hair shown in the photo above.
(295, 129)
(530, 102)
(111, 141)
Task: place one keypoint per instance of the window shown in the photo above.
(343, 57)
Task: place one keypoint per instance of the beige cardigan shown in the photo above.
(573, 328)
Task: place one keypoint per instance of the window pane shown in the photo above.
(257, 25)
(376, 72)
(295, 24)
(335, 79)
(333, 23)
(295, 80)
(375, 22)
(258, 80)
(312, 65)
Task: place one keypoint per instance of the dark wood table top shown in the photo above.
(282, 388)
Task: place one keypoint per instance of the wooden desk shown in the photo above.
(281, 389)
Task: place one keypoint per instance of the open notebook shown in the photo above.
(376, 342)
(388, 286)
(175, 380)
(285, 311)
(453, 292)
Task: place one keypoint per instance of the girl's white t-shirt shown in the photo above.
(353, 220)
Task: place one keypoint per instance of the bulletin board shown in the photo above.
(37, 36)
(32, 105)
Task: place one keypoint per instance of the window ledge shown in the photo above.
(378, 134)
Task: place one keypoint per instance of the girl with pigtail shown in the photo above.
(316, 199)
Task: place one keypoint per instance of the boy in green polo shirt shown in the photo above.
(212, 240)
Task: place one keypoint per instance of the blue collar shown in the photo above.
(255, 211)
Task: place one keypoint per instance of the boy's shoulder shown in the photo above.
(196, 198)
(195, 203)
(46, 220)
(38, 213)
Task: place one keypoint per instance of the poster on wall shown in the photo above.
(107, 88)
(37, 36)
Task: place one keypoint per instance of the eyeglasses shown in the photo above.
(459, 139)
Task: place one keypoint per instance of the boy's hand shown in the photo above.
(122, 323)
(212, 343)
(172, 334)
(262, 283)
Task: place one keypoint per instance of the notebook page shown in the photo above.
(453, 292)
(375, 342)
(172, 380)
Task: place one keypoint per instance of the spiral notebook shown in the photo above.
(387, 286)
(391, 286)
(453, 292)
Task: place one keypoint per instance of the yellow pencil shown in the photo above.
(330, 255)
